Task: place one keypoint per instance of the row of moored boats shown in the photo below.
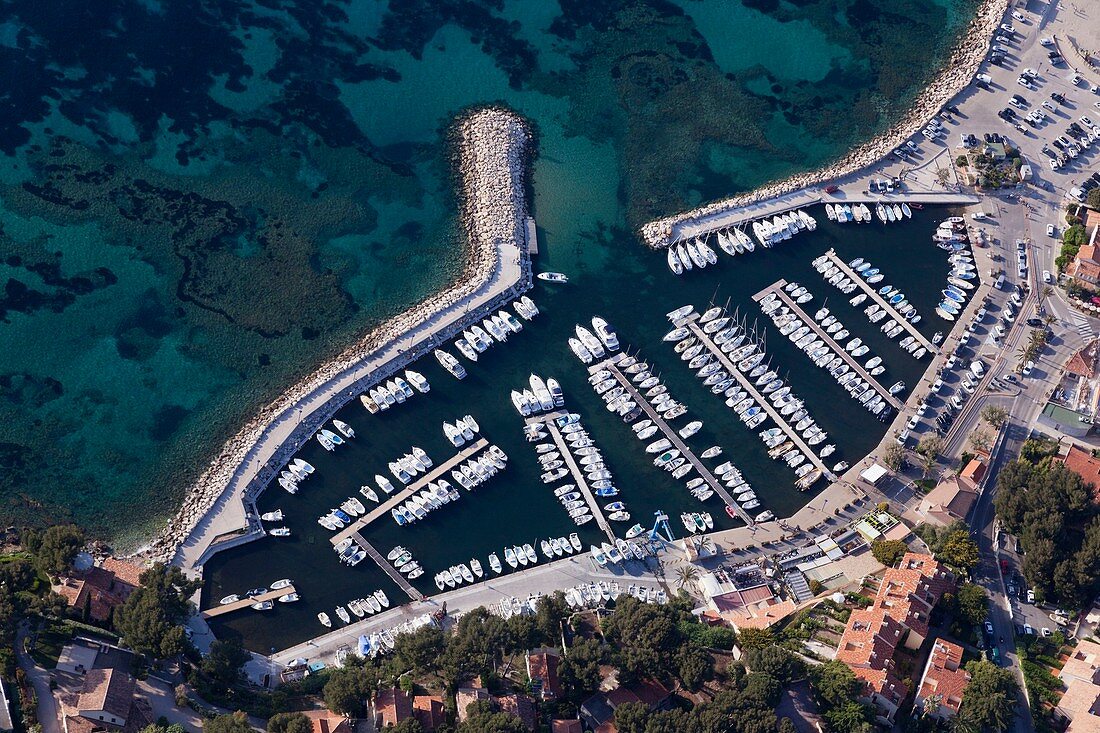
(394, 391)
(515, 557)
(368, 605)
(829, 356)
(886, 213)
(586, 455)
(589, 345)
(329, 439)
(960, 281)
(697, 252)
(267, 604)
(477, 339)
(541, 396)
(726, 340)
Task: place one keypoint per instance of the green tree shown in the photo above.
(990, 700)
(579, 669)
(1075, 235)
(550, 611)
(774, 661)
(756, 639)
(289, 723)
(644, 639)
(972, 604)
(222, 666)
(893, 456)
(348, 689)
(981, 441)
(231, 723)
(56, 547)
(631, 717)
(959, 551)
(849, 717)
(486, 721)
(419, 652)
(693, 666)
(151, 619)
(1093, 199)
(889, 552)
(995, 415)
(764, 687)
(409, 725)
(687, 576)
(833, 683)
(929, 449)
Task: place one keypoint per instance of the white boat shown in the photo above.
(552, 277)
(674, 261)
(418, 380)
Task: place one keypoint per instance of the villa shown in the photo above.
(1080, 703)
(941, 688)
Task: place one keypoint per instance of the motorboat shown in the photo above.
(552, 277)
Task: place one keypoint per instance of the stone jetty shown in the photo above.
(491, 149)
(956, 75)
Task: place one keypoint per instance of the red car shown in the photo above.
(1004, 566)
(832, 189)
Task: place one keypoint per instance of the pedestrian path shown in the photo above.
(1083, 325)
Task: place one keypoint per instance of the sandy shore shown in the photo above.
(956, 75)
(491, 150)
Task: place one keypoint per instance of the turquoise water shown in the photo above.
(199, 204)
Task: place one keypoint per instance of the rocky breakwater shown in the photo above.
(491, 152)
(955, 76)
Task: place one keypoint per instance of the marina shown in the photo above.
(574, 470)
(398, 579)
(672, 436)
(778, 289)
(873, 294)
(690, 322)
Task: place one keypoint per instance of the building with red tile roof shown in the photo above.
(542, 670)
(105, 702)
(941, 688)
(392, 706)
(1085, 267)
(598, 711)
(899, 617)
(519, 706)
(950, 501)
(1085, 465)
(465, 697)
(429, 711)
(566, 726)
(101, 588)
(326, 721)
(742, 597)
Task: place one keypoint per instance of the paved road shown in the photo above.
(48, 713)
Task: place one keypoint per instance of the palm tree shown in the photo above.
(687, 575)
(706, 545)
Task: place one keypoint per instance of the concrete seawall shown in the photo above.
(492, 150)
(956, 75)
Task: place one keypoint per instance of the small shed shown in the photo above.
(874, 474)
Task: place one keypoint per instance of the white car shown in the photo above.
(1047, 278)
(978, 215)
(1007, 28)
(1086, 121)
(1048, 104)
(1096, 104)
(921, 409)
(984, 78)
(937, 386)
(1028, 367)
(1018, 16)
(1025, 83)
(1048, 41)
(912, 422)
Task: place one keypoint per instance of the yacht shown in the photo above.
(605, 333)
(451, 364)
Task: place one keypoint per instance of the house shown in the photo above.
(101, 588)
(429, 711)
(105, 702)
(941, 688)
(326, 721)
(1080, 703)
(898, 619)
(542, 669)
(598, 711)
(1085, 266)
(392, 706)
(742, 597)
(566, 726)
(1085, 465)
(467, 696)
(1083, 362)
(519, 706)
(953, 497)
(5, 711)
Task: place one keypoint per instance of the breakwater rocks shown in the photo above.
(956, 75)
(491, 148)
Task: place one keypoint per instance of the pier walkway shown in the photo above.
(271, 595)
(388, 568)
(574, 469)
(403, 495)
(874, 296)
(690, 322)
(850, 360)
(612, 366)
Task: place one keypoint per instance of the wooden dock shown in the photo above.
(874, 296)
(388, 568)
(271, 595)
(403, 495)
(837, 348)
(612, 366)
(691, 324)
(575, 470)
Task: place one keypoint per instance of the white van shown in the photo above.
(977, 367)
(1000, 281)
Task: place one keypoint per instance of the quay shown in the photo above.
(403, 495)
(690, 322)
(873, 295)
(271, 595)
(574, 469)
(388, 568)
(850, 360)
(612, 365)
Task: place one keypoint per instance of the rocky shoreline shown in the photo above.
(491, 149)
(956, 75)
